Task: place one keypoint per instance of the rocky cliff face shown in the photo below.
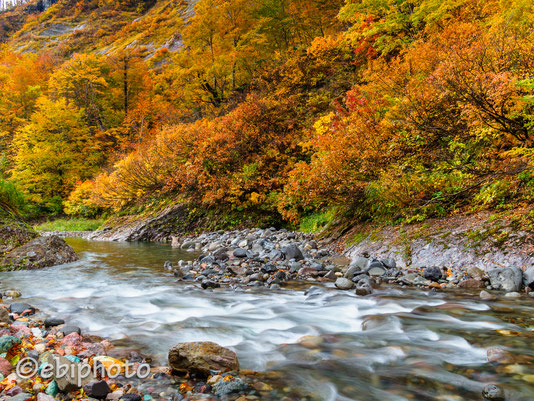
(23, 248)
(475, 241)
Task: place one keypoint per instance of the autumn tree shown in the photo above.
(54, 151)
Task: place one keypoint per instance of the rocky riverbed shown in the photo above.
(274, 258)
(31, 343)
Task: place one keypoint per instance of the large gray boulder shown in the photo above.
(292, 252)
(509, 279)
(202, 358)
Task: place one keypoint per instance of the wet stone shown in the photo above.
(492, 392)
(53, 321)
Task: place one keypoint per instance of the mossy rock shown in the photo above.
(13, 234)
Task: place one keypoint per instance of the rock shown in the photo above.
(40, 348)
(221, 254)
(295, 267)
(12, 294)
(209, 284)
(499, 356)
(99, 389)
(4, 316)
(201, 357)
(310, 342)
(20, 397)
(188, 245)
(363, 289)
(52, 389)
(44, 397)
(509, 279)
(275, 255)
(19, 308)
(5, 367)
(292, 252)
(492, 392)
(331, 275)
(39, 253)
(268, 268)
(308, 271)
(223, 388)
(344, 283)
(131, 397)
(376, 269)
(68, 375)
(471, 284)
(13, 391)
(115, 395)
(53, 321)
(433, 273)
(240, 253)
(414, 279)
(476, 273)
(6, 342)
(528, 278)
(512, 295)
(486, 296)
(390, 263)
(69, 329)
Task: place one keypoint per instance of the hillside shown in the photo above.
(273, 112)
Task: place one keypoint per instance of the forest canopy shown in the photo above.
(394, 110)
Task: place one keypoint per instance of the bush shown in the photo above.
(11, 199)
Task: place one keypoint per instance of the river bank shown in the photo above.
(273, 258)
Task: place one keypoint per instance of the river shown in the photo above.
(398, 344)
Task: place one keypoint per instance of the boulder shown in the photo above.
(376, 268)
(39, 253)
(471, 283)
(509, 279)
(433, 273)
(292, 252)
(202, 357)
(344, 283)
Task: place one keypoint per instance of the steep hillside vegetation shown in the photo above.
(272, 110)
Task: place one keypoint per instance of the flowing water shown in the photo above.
(392, 346)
